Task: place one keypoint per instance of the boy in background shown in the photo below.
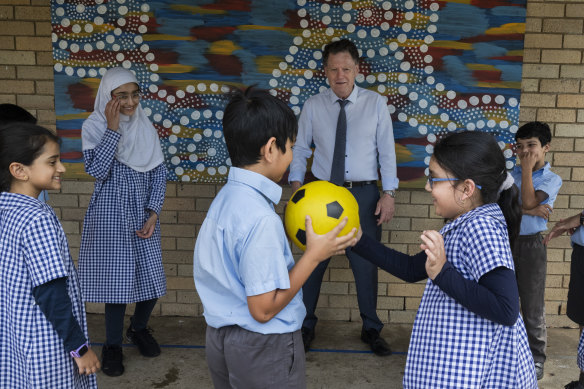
(539, 187)
(243, 266)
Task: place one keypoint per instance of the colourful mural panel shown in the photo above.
(443, 66)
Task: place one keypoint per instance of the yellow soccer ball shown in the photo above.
(326, 203)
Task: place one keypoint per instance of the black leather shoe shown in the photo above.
(111, 360)
(307, 337)
(376, 342)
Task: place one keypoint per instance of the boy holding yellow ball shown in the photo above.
(243, 267)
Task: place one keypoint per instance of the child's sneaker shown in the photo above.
(146, 343)
(111, 360)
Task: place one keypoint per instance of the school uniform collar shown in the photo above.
(543, 170)
(491, 210)
(268, 188)
(333, 98)
(16, 200)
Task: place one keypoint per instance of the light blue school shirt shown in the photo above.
(370, 142)
(546, 181)
(242, 251)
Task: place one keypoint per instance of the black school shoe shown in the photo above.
(574, 385)
(111, 360)
(376, 342)
(146, 343)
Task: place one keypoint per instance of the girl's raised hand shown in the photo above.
(433, 246)
(148, 228)
(325, 246)
(112, 114)
(88, 363)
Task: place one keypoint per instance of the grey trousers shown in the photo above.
(530, 257)
(242, 359)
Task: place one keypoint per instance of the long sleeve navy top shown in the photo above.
(494, 297)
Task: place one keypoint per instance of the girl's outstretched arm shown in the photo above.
(495, 297)
(410, 268)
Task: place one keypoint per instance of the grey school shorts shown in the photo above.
(242, 359)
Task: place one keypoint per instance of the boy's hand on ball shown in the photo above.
(329, 244)
(433, 246)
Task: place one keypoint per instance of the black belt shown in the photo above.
(351, 184)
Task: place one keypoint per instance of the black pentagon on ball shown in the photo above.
(299, 195)
(301, 236)
(334, 210)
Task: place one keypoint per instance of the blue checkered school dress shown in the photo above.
(581, 352)
(452, 347)
(115, 265)
(34, 251)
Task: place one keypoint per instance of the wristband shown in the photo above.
(80, 351)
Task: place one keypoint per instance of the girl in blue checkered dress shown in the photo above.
(43, 332)
(467, 332)
(120, 259)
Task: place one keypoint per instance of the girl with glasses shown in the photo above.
(467, 332)
(120, 259)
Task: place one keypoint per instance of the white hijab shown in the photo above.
(139, 147)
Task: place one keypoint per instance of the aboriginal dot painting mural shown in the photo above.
(443, 66)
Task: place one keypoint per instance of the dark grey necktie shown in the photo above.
(338, 165)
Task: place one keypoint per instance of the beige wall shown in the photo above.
(552, 92)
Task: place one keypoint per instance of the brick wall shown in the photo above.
(551, 91)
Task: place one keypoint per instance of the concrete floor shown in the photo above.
(338, 359)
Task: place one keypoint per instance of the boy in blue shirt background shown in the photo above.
(243, 268)
(539, 187)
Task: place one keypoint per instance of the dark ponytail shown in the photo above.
(22, 143)
(477, 156)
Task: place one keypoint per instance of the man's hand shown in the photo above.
(385, 209)
(562, 226)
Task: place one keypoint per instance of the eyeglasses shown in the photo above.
(431, 181)
(124, 97)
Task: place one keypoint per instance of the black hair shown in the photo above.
(537, 130)
(22, 143)
(251, 118)
(477, 156)
(10, 113)
(343, 45)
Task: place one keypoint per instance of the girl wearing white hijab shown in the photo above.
(120, 260)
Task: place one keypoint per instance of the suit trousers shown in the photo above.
(365, 272)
